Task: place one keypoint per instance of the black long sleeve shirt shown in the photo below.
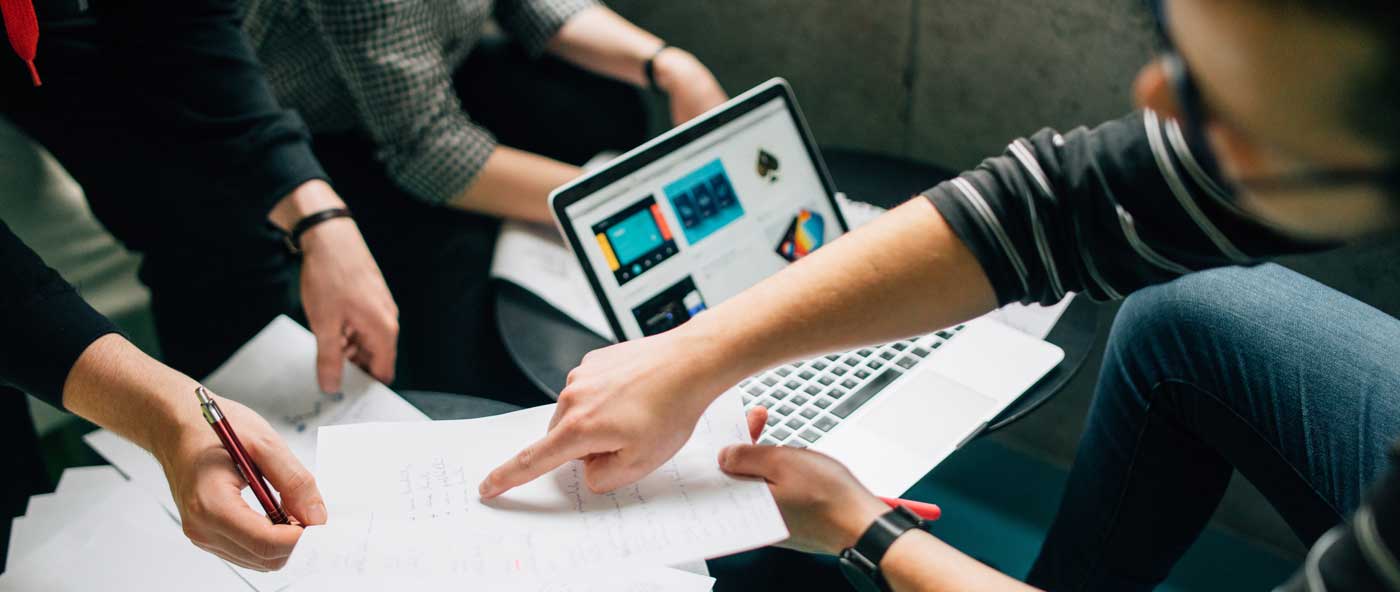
(180, 75)
(44, 324)
(172, 89)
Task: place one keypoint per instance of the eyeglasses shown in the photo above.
(1194, 113)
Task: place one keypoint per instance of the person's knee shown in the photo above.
(1162, 331)
(1204, 300)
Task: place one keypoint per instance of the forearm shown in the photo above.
(117, 386)
(599, 40)
(515, 184)
(904, 274)
(919, 562)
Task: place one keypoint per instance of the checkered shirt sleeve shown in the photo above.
(534, 22)
(402, 86)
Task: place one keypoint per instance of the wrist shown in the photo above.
(674, 66)
(853, 520)
(717, 355)
(308, 198)
(117, 386)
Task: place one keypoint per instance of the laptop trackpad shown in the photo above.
(902, 434)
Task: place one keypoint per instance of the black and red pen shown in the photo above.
(245, 464)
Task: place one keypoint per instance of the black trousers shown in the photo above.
(210, 295)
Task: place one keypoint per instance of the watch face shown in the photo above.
(856, 570)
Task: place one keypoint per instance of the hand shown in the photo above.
(347, 303)
(206, 486)
(691, 86)
(625, 410)
(825, 508)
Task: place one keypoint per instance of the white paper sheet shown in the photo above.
(1033, 319)
(632, 579)
(85, 480)
(47, 514)
(123, 541)
(273, 374)
(415, 489)
(534, 257)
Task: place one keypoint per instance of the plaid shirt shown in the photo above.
(385, 68)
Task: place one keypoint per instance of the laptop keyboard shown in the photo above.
(807, 400)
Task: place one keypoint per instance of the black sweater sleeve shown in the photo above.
(45, 324)
(1104, 212)
(198, 86)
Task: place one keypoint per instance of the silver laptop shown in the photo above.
(699, 214)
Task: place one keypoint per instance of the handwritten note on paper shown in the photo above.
(403, 477)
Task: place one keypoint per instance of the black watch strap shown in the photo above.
(650, 69)
(293, 238)
(864, 558)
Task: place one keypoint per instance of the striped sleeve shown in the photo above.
(1103, 212)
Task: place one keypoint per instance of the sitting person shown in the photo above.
(1256, 369)
(434, 130)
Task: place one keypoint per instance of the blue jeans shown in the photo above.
(1259, 370)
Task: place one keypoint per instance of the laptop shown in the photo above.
(699, 214)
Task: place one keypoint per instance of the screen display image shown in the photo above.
(670, 308)
(705, 201)
(634, 240)
(804, 235)
(711, 217)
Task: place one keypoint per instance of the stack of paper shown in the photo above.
(119, 531)
(98, 531)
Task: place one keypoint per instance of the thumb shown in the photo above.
(300, 496)
(758, 416)
(330, 357)
(752, 461)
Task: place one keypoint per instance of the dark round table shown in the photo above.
(546, 344)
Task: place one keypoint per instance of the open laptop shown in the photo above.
(701, 213)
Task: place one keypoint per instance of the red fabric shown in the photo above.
(23, 29)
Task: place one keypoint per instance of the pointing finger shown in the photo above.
(559, 446)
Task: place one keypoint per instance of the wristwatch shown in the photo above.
(861, 563)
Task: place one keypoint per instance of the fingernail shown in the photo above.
(486, 490)
(724, 455)
(316, 514)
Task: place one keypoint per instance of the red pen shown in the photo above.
(245, 464)
(928, 512)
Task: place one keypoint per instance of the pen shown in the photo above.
(245, 464)
(929, 512)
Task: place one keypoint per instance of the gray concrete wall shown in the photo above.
(950, 83)
(937, 80)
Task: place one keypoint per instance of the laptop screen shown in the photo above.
(704, 221)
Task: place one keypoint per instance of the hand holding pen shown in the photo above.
(206, 482)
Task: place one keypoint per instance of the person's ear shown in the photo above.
(1153, 90)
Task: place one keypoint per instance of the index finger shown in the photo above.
(559, 446)
(330, 356)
